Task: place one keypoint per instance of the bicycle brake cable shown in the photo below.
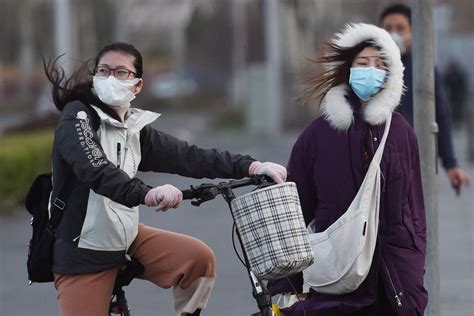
(234, 227)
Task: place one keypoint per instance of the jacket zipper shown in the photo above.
(120, 219)
(373, 153)
(132, 157)
(119, 151)
(126, 143)
(371, 142)
(119, 154)
(396, 295)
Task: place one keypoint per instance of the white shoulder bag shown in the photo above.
(343, 252)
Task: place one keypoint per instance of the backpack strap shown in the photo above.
(59, 204)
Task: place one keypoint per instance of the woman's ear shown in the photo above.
(138, 86)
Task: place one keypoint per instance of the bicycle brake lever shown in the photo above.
(263, 181)
(206, 193)
(199, 201)
(196, 203)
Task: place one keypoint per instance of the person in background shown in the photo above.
(396, 19)
(100, 144)
(456, 83)
(360, 88)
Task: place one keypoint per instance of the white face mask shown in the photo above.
(400, 41)
(114, 92)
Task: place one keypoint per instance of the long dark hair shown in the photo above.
(337, 61)
(78, 86)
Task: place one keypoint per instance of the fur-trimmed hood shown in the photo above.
(335, 107)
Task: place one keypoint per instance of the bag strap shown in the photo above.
(375, 160)
(59, 204)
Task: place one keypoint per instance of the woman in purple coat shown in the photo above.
(359, 90)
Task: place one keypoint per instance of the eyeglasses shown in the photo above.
(119, 73)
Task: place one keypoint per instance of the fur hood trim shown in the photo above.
(335, 107)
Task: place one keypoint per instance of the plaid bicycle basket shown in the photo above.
(273, 231)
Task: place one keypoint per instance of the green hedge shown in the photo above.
(22, 157)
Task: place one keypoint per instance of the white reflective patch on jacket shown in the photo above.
(85, 136)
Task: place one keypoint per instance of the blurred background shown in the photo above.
(205, 55)
(223, 72)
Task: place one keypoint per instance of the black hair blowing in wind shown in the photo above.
(78, 86)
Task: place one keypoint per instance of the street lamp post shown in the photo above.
(62, 25)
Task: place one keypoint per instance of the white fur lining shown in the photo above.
(335, 106)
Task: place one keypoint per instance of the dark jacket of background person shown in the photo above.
(328, 164)
(456, 84)
(396, 18)
(445, 145)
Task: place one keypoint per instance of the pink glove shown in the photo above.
(164, 197)
(275, 171)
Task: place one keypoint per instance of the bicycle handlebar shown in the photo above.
(208, 191)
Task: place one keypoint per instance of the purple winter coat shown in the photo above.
(328, 166)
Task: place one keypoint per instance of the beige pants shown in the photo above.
(170, 260)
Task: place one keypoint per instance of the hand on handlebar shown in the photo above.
(164, 197)
(275, 171)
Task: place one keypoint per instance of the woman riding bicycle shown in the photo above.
(100, 144)
(359, 90)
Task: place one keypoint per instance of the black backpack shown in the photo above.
(40, 248)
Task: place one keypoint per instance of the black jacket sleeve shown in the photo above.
(443, 118)
(164, 153)
(79, 146)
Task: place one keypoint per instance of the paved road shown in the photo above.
(212, 224)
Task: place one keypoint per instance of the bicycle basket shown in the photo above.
(273, 231)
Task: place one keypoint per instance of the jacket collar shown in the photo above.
(135, 120)
(335, 106)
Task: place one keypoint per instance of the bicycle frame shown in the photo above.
(127, 273)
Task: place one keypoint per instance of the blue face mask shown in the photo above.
(366, 81)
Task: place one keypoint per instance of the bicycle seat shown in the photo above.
(130, 269)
